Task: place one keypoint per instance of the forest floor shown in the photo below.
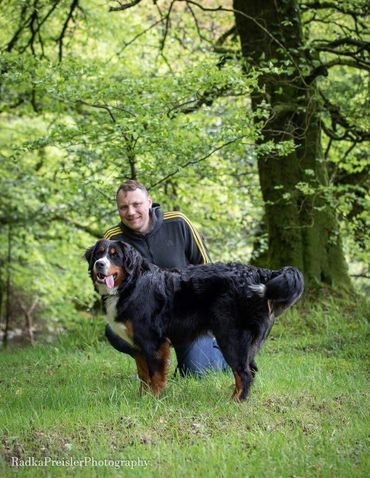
(72, 408)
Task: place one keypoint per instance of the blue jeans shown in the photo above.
(196, 359)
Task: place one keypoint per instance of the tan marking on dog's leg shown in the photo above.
(159, 378)
(143, 372)
(238, 386)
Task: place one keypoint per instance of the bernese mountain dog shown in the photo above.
(151, 308)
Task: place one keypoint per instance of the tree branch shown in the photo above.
(41, 216)
(103, 107)
(230, 32)
(166, 18)
(358, 64)
(363, 45)
(82, 227)
(195, 161)
(140, 34)
(73, 6)
(29, 23)
(351, 132)
(207, 98)
(201, 36)
(124, 6)
(15, 37)
(360, 276)
(335, 6)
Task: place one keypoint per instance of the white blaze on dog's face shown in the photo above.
(107, 270)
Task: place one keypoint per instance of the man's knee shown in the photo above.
(201, 356)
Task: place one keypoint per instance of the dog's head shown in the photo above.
(112, 264)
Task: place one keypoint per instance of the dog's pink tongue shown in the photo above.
(109, 280)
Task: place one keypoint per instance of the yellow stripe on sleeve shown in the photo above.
(111, 232)
(195, 233)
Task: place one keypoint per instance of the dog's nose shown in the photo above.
(99, 265)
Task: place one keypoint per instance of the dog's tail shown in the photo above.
(283, 289)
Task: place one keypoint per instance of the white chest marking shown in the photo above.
(118, 328)
(111, 308)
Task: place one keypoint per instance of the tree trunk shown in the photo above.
(7, 311)
(301, 222)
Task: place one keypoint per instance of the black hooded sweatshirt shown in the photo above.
(172, 242)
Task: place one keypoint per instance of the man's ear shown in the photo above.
(150, 201)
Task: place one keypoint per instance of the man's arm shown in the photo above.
(113, 233)
(195, 249)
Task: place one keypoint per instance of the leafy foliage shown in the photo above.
(90, 98)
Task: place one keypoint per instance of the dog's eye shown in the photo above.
(113, 252)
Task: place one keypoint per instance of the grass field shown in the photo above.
(307, 414)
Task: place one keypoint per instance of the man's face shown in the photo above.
(134, 210)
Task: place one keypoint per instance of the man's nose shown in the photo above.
(130, 210)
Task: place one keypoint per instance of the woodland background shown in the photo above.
(251, 117)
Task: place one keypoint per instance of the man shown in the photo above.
(168, 240)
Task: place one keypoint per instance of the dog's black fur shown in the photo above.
(237, 303)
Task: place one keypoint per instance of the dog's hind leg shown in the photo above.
(159, 368)
(251, 359)
(238, 352)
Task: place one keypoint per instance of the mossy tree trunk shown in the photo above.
(301, 221)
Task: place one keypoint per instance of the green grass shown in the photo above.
(306, 416)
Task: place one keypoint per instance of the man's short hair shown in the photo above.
(131, 185)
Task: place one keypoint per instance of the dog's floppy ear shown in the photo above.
(132, 259)
(89, 254)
